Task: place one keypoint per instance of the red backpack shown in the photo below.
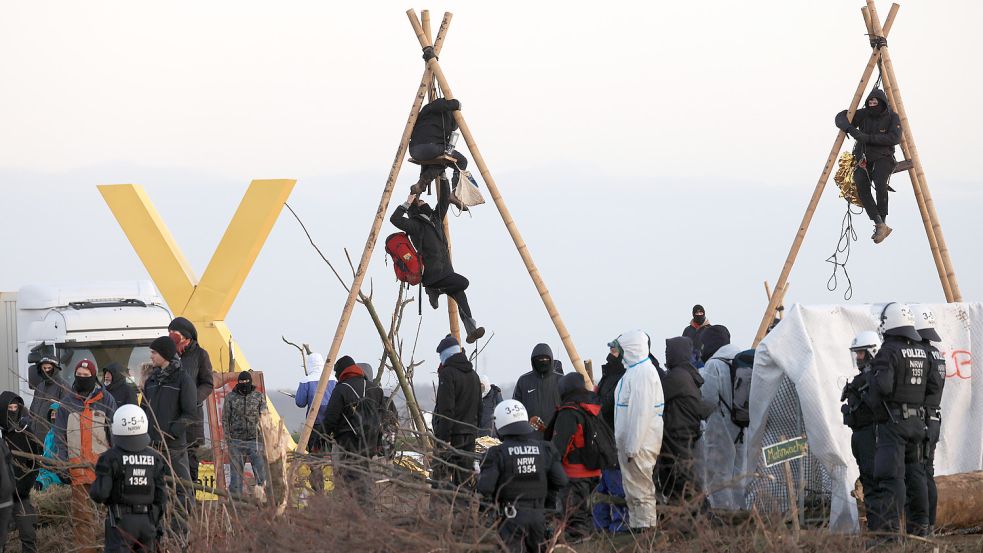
(406, 261)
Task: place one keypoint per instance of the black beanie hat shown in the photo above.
(185, 327)
(698, 309)
(571, 382)
(342, 364)
(165, 347)
(245, 375)
(714, 338)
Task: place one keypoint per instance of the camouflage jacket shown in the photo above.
(241, 413)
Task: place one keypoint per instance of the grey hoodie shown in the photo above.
(539, 392)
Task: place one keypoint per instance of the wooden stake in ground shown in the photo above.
(818, 191)
(920, 185)
(370, 242)
(503, 210)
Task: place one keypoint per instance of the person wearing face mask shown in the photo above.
(115, 382)
(83, 432)
(611, 373)
(877, 130)
(856, 413)
(456, 413)
(240, 420)
(694, 331)
(17, 435)
(539, 390)
(48, 387)
(491, 396)
(425, 227)
(196, 362)
(169, 401)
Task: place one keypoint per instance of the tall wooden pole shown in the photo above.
(363, 264)
(454, 323)
(520, 244)
(919, 183)
(818, 192)
(912, 175)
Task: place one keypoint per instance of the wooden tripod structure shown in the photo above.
(933, 228)
(434, 72)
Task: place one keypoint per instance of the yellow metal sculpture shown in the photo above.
(207, 301)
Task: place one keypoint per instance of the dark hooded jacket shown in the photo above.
(169, 400)
(425, 228)
(611, 373)
(352, 387)
(198, 365)
(121, 389)
(488, 403)
(18, 436)
(567, 429)
(685, 407)
(880, 128)
(458, 408)
(435, 123)
(539, 391)
(46, 392)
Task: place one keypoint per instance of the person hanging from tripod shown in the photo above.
(425, 227)
(877, 130)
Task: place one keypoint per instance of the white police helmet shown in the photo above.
(925, 324)
(130, 427)
(898, 320)
(511, 418)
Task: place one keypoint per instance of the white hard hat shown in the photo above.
(511, 418)
(868, 341)
(130, 426)
(925, 324)
(898, 320)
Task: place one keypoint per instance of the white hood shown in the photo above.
(639, 401)
(315, 364)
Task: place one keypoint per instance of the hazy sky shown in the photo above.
(655, 155)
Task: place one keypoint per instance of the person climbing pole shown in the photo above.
(433, 136)
(877, 130)
(425, 227)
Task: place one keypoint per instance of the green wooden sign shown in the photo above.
(786, 451)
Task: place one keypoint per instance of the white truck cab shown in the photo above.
(104, 322)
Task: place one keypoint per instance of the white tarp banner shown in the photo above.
(811, 347)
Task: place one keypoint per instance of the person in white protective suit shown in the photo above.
(721, 455)
(639, 404)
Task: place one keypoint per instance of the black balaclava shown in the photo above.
(542, 364)
(244, 383)
(84, 385)
(47, 376)
(702, 317)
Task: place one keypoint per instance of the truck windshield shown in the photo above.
(130, 356)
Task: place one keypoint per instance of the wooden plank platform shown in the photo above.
(441, 160)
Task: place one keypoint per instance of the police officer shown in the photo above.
(925, 325)
(130, 481)
(521, 476)
(857, 414)
(900, 383)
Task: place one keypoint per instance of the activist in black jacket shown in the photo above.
(538, 390)
(685, 407)
(876, 130)
(611, 372)
(120, 388)
(19, 437)
(169, 400)
(352, 387)
(488, 402)
(458, 406)
(435, 123)
(425, 227)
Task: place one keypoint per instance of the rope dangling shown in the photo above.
(848, 235)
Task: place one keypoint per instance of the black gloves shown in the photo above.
(857, 135)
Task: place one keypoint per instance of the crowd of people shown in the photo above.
(116, 439)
